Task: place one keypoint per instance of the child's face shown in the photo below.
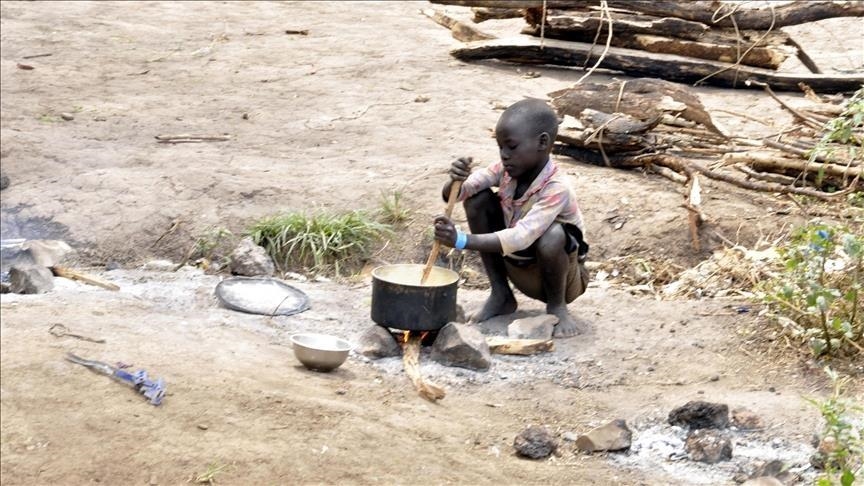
(522, 151)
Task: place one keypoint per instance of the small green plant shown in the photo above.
(392, 209)
(213, 237)
(845, 129)
(318, 242)
(209, 476)
(841, 447)
(820, 288)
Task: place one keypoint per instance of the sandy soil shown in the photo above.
(329, 120)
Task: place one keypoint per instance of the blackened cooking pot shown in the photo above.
(400, 302)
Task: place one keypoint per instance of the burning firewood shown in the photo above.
(411, 362)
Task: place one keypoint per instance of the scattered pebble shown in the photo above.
(203, 426)
(67, 116)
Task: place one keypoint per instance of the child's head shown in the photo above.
(525, 134)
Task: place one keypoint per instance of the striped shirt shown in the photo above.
(548, 199)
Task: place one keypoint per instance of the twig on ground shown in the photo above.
(187, 138)
(797, 114)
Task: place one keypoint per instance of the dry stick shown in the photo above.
(436, 245)
(771, 160)
(604, 6)
(764, 187)
(668, 173)
(744, 115)
(765, 176)
(803, 153)
(809, 121)
(411, 362)
(83, 277)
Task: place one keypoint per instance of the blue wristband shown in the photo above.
(461, 240)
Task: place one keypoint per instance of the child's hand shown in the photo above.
(461, 168)
(445, 231)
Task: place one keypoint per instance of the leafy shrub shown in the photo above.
(819, 288)
(841, 448)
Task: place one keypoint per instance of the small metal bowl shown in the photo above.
(320, 352)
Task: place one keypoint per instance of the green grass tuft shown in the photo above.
(320, 242)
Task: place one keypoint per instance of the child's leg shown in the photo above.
(547, 279)
(485, 216)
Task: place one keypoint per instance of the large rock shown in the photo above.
(700, 415)
(47, 253)
(376, 342)
(30, 279)
(535, 442)
(614, 436)
(251, 260)
(461, 345)
(537, 327)
(4, 181)
(708, 446)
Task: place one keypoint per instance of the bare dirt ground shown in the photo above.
(329, 120)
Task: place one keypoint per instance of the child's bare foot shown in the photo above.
(496, 305)
(567, 326)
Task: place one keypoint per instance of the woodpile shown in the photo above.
(653, 123)
(699, 42)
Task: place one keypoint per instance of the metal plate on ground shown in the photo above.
(261, 295)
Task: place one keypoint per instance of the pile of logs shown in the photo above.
(698, 42)
(657, 125)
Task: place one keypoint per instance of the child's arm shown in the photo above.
(445, 232)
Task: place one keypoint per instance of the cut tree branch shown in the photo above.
(639, 63)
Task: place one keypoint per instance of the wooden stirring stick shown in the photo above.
(436, 245)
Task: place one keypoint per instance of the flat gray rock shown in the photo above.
(461, 345)
(251, 260)
(537, 327)
(376, 342)
(614, 436)
(30, 279)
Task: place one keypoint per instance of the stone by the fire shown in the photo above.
(463, 346)
(537, 327)
(700, 415)
(251, 260)
(746, 419)
(47, 253)
(614, 436)
(535, 442)
(30, 279)
(708, 446)
(772, 470)
(376, 342)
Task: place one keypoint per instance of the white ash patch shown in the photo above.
(661, 446)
